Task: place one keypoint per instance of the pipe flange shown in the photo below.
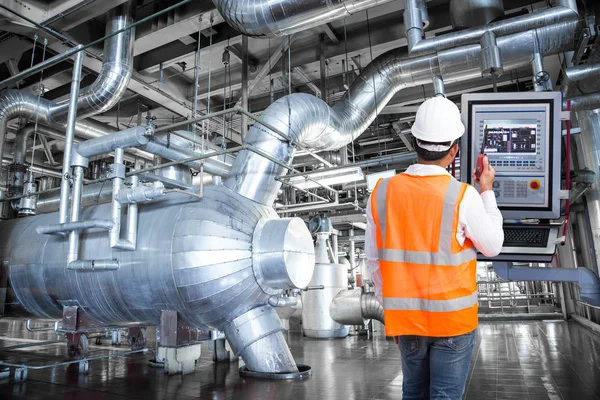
(304, 372)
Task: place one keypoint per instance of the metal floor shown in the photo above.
(514, 360)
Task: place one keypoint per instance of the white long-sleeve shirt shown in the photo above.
(479, 219)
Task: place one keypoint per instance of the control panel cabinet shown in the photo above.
(521, 135)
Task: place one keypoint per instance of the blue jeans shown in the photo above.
(435, 368)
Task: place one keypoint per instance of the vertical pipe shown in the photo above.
(244, 129)
(196, 77)
(413, 23)
(323, 68)
(352, 255)
(438, 86)
(334, 244)
(75, 211)
(541, 81)
(117, 183)
(69, 135)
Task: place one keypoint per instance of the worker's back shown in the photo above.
(429, 277)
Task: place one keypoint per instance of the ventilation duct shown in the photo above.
(99, 97)
(278, 18)
(353, 307)
(472, 13)
(311, 122)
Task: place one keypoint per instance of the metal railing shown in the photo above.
(588, 311)
(504, 297)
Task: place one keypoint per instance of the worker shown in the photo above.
(423, 229)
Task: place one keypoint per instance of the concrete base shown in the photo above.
(179, 360)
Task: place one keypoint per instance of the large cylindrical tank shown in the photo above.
(316, 320)
(210, 260)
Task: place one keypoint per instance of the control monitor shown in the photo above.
(521, 135)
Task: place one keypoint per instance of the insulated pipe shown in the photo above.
(311, 122)
(584, 102)
(589, 283)
(133, 137)
(574, 75)
(69, 137)
(352, 307)
(160, 147)
(100, 96)
(438, 86)
(279, 18)
(566, 11)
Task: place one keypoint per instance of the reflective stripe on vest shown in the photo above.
(412, 304)
(444, 255)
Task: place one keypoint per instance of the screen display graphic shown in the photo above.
(510, 136)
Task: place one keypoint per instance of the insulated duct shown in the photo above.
(279, 18)
(100, 96)
(353, 307)
(589, 283)
(566, 10)
(310, 121)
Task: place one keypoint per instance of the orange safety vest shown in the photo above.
(429, 279)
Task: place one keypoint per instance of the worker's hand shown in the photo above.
(487, 176)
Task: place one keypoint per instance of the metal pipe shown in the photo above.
(413, 23)
(584, 102)
(589, 283)
(75, 226)
(174, 152)
(73, 253)
(310, 122)
(94, 265)
(133, 137)
(268, 18)
(541, 78)
(116, 208)
(100, 96)
(565, 12)
(244, 129)
(69, 136)
(67, 54)
(438, 86)
(574, 75)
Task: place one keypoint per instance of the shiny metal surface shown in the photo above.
(97, 193)
(69, 138)
(160, 146)
(133, 137)
(100, 96)
(471, 13)
(584, 102)
(589, 153)
(311, 122)
(257, 337)
(532, 360)
(565, 11)
(574, 75)
(283, 256)
(316, 320)
(491, 57)
(194, 256)
(353, 307)
(284, 17)
(589, 283)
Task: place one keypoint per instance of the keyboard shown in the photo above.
(524, 236)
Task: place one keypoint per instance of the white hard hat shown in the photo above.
(438, 121)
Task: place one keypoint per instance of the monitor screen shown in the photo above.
(510, 136)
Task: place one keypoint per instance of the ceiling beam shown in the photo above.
(266, 68)
(330, 34)
(306, 80)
